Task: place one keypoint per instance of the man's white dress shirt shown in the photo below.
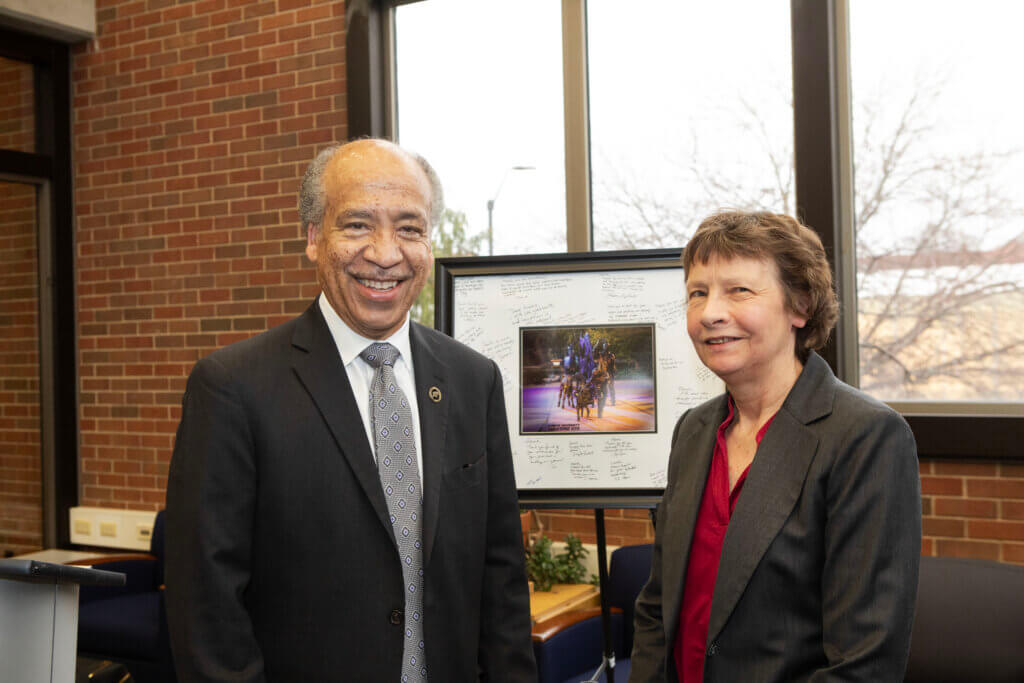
(360, 374)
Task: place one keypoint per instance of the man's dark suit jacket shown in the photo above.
(281, 560)
(818, 572)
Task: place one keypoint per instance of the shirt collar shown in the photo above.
(350, 344)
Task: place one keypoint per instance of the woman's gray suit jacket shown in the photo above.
(818, 572)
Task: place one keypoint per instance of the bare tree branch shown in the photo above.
(928, 297)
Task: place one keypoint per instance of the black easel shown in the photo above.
(608, 658)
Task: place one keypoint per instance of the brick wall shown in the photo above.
(973, 510)
(193, 123)
(621, 527)
(21, 527)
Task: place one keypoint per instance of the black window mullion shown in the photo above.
(27, 164)
(815, 139)
(64, 324)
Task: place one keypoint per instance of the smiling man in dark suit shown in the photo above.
(341, 502)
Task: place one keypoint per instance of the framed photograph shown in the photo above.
(587, 379)
(595, 361)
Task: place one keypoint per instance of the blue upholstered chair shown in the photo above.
(128, 624)
(569, 647)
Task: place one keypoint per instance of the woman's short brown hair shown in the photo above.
(796, 251)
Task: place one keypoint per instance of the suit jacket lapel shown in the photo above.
(430, 371)
(321, 371)
(693, 449)
(773, 486)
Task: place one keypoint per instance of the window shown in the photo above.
(686, 121)
(752, 105)
(939, 162)
(480, 96)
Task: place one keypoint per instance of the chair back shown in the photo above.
(629, 569)
(156, 546)
(969, 622)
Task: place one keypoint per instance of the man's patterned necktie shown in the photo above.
(395, 445)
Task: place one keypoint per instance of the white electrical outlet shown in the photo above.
(124, 529)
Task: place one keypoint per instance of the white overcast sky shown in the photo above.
(480, 90)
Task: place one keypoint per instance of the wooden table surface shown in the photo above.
(561, 598)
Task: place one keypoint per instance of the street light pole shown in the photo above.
(490, 226)
(490, 205)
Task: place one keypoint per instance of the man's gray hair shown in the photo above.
(313, 200)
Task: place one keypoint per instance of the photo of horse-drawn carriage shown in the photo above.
(587, 379)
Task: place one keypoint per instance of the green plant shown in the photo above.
(546, 569)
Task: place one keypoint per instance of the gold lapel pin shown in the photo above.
(435, 394)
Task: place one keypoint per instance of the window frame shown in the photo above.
(824, 198)
(50, 169)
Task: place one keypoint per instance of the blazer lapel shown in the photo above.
(433, 399)
(321, 371)
(693, 449)
(773, 486)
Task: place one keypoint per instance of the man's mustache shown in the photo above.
(383, 274)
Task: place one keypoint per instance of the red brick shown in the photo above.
(964, 507)
(950, 486)
(976, 549)
(995, 488)
(1008, 531)
(965, 469)
(1008, 470)
(1012, 509)
(564, 524)
(1013, 552)
(940, 526)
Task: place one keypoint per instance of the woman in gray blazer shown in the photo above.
(788, 539)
